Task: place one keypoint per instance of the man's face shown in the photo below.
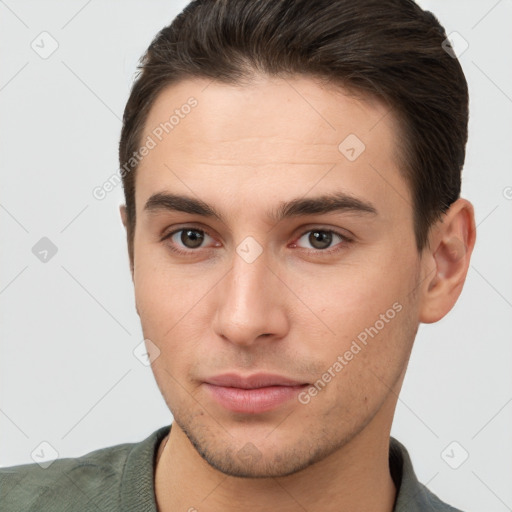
(326, 300)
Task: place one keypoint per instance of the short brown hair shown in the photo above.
(389, 49)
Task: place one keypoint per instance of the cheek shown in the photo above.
(165, 307)
(164, 310)
(160, 288)
(169, 301)
(351, 298)
(372, 320)
(359, 376)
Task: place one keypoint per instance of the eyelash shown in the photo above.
(322, 252)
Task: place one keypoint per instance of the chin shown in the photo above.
(269, 461)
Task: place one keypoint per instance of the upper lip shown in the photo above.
(258, 380)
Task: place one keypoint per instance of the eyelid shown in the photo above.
(171, 233)
(330, 251)
(346, 239)
(177, 229)
(342, 233)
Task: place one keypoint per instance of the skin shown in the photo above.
(294, 309)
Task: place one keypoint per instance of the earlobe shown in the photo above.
(451, 244)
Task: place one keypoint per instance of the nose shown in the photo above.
(251, 303)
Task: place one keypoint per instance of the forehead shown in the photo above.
(287, 133)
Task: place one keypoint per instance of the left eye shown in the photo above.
(321, 239)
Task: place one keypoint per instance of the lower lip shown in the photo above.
(253, 401)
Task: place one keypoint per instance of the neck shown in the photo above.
(355, 478)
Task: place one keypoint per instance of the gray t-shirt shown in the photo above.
(120, 479)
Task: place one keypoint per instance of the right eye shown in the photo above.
(188, 237)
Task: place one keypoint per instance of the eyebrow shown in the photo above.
(324, 204)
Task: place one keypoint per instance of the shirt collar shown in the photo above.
(412, 495)
(138, 491)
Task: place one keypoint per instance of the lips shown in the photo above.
(252, 394)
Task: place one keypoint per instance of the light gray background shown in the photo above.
(69, 326)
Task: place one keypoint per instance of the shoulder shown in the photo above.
(80, 483)
(412, 495)
(66, 481)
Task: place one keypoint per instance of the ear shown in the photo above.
(446, 260)
(122, 211)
